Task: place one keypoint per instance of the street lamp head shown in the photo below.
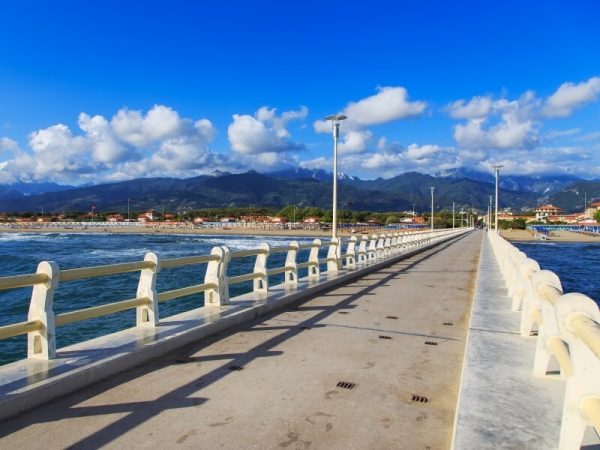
(336, 117)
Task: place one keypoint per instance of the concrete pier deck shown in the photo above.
(273, 383)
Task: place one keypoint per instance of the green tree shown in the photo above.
(597, 216)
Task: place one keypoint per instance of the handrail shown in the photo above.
(307, 246)
(282, 249)
(586, 329)
(99, 271)
(307, 264)
(242, 278)
(187, 260)
(17, 329)
(279, 270)
(244, 253)
(18, 281)
(190, 290)
(98, 311)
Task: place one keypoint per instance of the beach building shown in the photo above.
(148, 216)
(542, 212)
(312, 220)
(114, 218)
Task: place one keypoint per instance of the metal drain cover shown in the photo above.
(419, 398)
(448, 324)
(430, 343)
(345, 385)
(236, 368)
(384, 337)
(391, 317)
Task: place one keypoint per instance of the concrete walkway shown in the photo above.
(502, 405)
(273, 383)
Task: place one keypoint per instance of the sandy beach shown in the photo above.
(555, 236)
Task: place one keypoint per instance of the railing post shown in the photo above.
(261, 284)
(332, 255)
(351, 253)
(387, 245)
(291, 271)
(216, 273)
(362, 249)
(394, 242)
(41, 344)
(314, 270)
(380, 250)
(147, 315)
(372, 250)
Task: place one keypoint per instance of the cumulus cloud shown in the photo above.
(499, 124)
(131, 144)
(388, 105)
(355, 142)
(570, 96)
(265, 132)
(476, 108)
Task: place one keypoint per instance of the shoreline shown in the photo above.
(555, 236)
(192, 231)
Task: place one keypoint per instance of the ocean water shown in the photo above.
(576, 264)
(20, 253)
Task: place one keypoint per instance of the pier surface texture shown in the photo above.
(395, 337)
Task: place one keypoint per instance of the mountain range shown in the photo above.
(302, 187)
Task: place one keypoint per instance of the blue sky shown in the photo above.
(100, 91)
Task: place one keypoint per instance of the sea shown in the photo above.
(20, 254)
(575, 263)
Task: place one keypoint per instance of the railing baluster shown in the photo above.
(216, 274)
(291, 266)
(41, 344)
(147, 315)
(261, 284)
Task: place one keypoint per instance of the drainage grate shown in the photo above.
(182, 360)
(305, 328)
(419, 399)
(391, 317)
(384, 337)
(345, 385)
(430, 343)
(449, 324)
(344, 312)
(236, 368)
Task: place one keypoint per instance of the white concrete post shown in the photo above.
(216, 273)
(387, 245)
(314, 270)
(261, 284)
(380, 250)
(351, 254)
(546, 287)
(372, 250)
(41, 344)
(332, 255)
(394, 242)
(146, 316)
(362, 249)
(291, 271)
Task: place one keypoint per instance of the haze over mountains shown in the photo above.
(302, 187)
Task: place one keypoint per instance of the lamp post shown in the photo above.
(335, 127)
(497, 172)
(432, 188)
(452, 214)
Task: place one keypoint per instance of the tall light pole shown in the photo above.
(432, 188)
(452, 214)
(497, 172)
(335, 127)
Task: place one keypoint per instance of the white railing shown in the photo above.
(568, 329)
(42, 321)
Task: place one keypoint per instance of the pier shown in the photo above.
(414, 340)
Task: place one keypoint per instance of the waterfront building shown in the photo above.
(542, 212)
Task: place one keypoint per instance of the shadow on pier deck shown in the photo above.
(395, 337)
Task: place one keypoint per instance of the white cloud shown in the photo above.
(388, 105)
(555, 134)
(8, 144)
(570, 96)
(355, 142)
(265, 132)
(499, 124)
(476, 108)
(132, 144)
